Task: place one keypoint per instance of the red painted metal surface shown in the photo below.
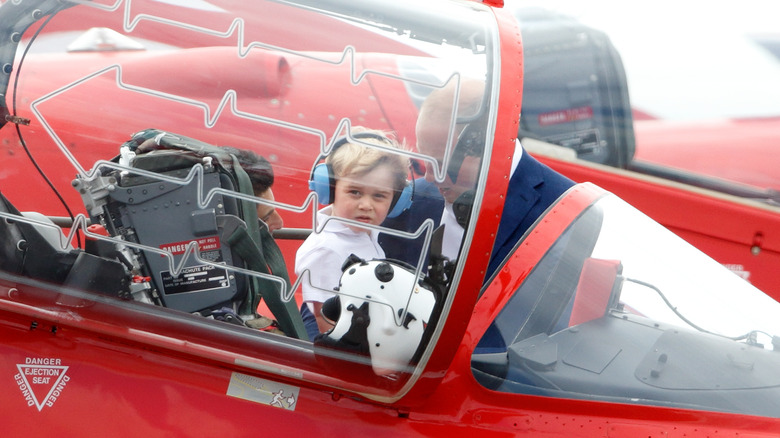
(141, 371)
(736, 233)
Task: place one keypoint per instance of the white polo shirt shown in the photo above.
(323, 253)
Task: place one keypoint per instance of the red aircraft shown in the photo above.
(576, 95)
(688, 114)
(137, 284)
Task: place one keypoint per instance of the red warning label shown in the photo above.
(565, 116)
(204, 244)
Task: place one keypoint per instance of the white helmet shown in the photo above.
(382, 298)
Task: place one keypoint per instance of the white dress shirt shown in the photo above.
(453, 232)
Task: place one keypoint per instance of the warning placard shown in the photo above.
(565, 116)
(204, 244)
(41, 381)
(195, 278)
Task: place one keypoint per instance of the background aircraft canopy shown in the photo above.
(687, 92)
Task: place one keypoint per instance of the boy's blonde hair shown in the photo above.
(354, 159)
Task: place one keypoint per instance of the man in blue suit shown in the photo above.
(533, 187)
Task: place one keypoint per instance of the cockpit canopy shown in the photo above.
(620, 309)
(141, 117)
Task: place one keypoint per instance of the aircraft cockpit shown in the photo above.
(142, 139)
(151, 213)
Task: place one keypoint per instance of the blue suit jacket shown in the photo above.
(532, 189)
(427, 203)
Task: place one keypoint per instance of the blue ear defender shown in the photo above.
(403, 201)
(322, 181)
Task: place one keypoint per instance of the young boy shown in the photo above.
(366, 183)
